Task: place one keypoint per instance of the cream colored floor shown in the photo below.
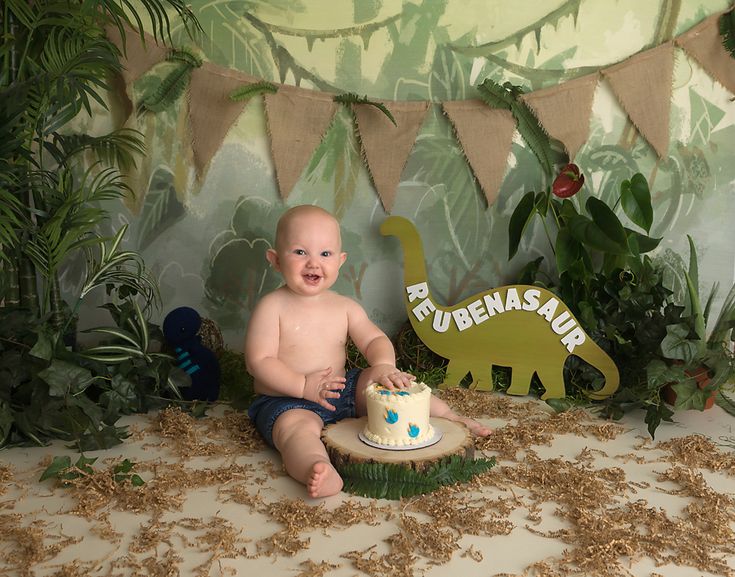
(40, 516)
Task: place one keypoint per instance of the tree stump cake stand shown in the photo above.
(345, 447)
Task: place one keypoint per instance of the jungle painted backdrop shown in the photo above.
(205, 236)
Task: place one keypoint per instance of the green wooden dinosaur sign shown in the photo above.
(526, 328)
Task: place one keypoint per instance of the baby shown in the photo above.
(295, 349)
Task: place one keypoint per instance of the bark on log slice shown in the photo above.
(345, 447)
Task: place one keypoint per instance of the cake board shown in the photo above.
(344, 446)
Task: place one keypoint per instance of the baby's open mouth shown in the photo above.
(312, 278)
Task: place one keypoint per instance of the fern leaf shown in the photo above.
(395, 481)
(506, 97)
(352, 98)
(249, 90)
(185, 56)
(168, 91)
(727, 31)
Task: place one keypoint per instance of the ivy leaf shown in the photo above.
(56, 468)
(65, 378)
(655, 414)
(677, 344)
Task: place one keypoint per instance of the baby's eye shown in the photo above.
(326, 253)
(300, 251)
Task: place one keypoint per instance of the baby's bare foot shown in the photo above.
(323, 480)
(475, 427)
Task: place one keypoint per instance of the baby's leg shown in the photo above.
(439, 408)
(297, 436)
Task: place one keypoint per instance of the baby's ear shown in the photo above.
(272, 257)
(342, 258)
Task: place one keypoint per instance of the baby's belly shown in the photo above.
(316, 360)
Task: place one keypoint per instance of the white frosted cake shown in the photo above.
(399, 417)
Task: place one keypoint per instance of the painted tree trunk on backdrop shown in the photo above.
(526, 328)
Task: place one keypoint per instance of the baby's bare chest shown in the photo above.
(318, 337)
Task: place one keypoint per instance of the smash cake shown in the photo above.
(399, 417)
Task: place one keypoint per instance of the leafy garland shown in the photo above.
(394, 481)
(726, 24)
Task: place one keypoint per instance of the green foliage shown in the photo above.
(693, 351)
(613, 288)
(395, 481)
(50, 391)
(507, 98)
(725, 402)
(236, 384)
(247, 91)
(352, 98)
(56, 63)
(62, 470)
(726, 24)
(173, 84)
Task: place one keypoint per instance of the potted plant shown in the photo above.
(57, 63)
(700, 362)
(603, 273)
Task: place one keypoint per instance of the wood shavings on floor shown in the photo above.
(571, 495)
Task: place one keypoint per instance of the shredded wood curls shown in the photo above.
(584, 500)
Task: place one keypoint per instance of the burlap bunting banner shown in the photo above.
(211, 112)
(297, 120)
(137, 58)
(385, 146)
(564, 110)
(643, 84)
(486, 135)
(704, 44)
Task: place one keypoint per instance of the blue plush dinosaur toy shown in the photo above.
(180, 328)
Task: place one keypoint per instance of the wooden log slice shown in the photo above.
(344, 446)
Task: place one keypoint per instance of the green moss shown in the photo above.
(236, 384)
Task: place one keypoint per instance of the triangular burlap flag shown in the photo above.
(642, 84)
(211, 112)
(297, 121)
(564, 110)
(386, 146)
(486, 135)
(137, 59)
(704, 43)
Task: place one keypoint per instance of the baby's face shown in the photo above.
(309, 254)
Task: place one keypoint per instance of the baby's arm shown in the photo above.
(271, 375)
(377, 349)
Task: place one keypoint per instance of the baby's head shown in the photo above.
(303, 217)
(308, 249)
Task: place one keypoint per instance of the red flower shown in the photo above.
(569, 181)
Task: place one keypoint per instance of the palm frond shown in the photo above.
(118, 148)
(123, 14)
(124, 269)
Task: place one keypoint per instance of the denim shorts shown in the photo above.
(264, 410)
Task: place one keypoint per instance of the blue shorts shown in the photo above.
(264, 410)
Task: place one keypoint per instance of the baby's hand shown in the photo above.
(390, 377)
(321, 385)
